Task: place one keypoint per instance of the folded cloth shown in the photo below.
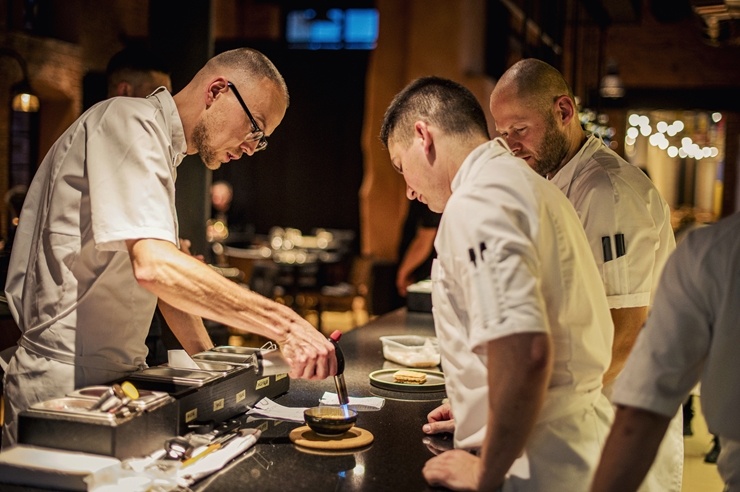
(271, 410)
(360, 404)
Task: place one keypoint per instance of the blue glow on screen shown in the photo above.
(339, 29)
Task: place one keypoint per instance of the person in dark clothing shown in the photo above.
(416, 249)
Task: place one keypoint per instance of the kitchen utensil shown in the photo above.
(330, 421)
(110, 397)
(339, 377)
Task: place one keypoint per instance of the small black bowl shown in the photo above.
(330, 421)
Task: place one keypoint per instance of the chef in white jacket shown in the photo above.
(627, 222)
(97, 242)
(519, 310)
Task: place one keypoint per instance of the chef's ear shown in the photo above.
(421, 131)
(566, 109)
(217, 86)
(124, 89)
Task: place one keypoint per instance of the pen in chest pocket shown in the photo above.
(606, 248)
(619, 244)
(473, 257)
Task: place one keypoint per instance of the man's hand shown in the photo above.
(403, 280)
(309, 353)
(455, 470)
(440, 420)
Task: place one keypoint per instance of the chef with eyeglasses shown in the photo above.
(97, 242)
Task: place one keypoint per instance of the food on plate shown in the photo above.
(409, 377)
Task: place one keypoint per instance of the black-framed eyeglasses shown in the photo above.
(257, 135)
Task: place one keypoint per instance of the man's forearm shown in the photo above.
(416, 254)
(519, 368)
(189, 329)
(627, 325)
(630, 450)
(188, 285)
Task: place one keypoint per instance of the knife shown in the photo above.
(342, 394)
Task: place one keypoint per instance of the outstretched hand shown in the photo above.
(309, 353)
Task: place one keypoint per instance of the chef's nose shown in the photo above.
(513, 143)
(410, 193)
(249, 147)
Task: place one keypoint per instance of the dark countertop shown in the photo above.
(392, 462)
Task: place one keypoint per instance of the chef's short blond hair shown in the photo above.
(246, 64)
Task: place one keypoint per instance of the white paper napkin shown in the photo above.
(181, 359)
(218, 459)
(358, 403)
(269, 409)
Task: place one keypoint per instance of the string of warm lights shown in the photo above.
(663, 135)
(596, 123)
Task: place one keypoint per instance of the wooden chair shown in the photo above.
(343, 296)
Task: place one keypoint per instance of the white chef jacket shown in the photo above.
(692, 334)
(512, 258)
(109, 178)
(614, 197)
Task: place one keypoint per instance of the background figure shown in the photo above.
(136, 72)
(521, 317)
(217, 229)
(229, 222)
(627, 222)
(14, 199)
(691, 335)
(416, 249)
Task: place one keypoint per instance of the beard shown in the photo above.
(205, 151)
(552, 151)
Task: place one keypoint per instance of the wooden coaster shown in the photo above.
(353, 438)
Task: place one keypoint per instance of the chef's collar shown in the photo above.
(575, 165)
(173, 121)
(490, 149)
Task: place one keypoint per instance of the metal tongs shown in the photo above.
(268, 361)
(116, 397)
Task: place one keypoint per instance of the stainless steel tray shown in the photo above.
(230, 358)
(75, 408)
(234, 349)
(219, 366)
(187, 377)
(147, 399)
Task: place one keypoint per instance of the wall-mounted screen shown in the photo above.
(332, 29)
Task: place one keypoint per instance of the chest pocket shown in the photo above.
(615, 274)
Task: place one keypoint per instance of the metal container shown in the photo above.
(176, 375)
(77, 409)
(234, 349)
(220, 367)
(68, 423)
(225, 357)
(146, 399)
(217, 397)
